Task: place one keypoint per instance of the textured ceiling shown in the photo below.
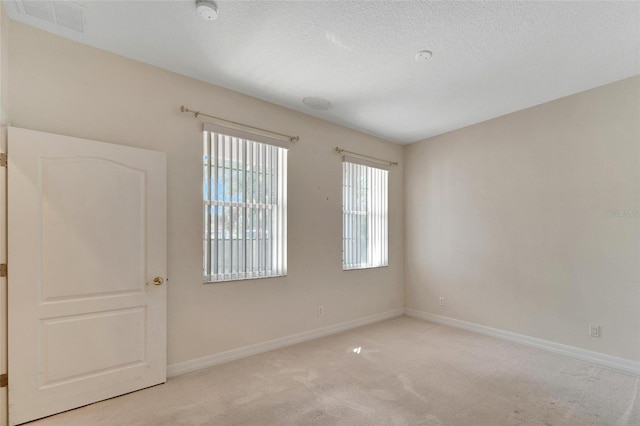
(489, 58)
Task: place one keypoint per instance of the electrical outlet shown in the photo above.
(594, 330)
(320, 310)
(442, 301)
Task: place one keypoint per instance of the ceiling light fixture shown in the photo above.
(317, 103)
(207, 9)
(424, 55)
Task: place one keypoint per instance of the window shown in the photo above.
(245, 206)
(365, 214)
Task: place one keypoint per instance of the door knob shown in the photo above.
(158, 280)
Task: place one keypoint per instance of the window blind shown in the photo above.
(365, 214)
(245, 207)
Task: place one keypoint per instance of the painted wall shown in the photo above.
(60, 86)
(530, 222)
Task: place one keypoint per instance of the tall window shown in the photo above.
(245, 207)
(365, 214)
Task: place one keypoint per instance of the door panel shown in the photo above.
(87, 232)
(84, 268)
(110, 351)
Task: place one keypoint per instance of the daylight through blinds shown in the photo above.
(245, 208)
(365, 213)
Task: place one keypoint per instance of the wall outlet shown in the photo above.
(442, 301)
(320, 310)
(594, 330)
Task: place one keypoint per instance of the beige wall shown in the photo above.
(63, 87)
(507, 219)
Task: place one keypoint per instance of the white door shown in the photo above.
(87, 237)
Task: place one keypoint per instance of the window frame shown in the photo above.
(267, 203)
(374, 209)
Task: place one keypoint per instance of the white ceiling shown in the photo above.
(489, 58)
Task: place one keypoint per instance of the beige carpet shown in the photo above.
(397, 372)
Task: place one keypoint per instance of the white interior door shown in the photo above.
(87, 237)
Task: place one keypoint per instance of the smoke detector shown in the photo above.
(424, 55)
(207, 9)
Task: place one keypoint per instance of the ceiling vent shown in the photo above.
(39, 9)
(317, 103)
(65, 14)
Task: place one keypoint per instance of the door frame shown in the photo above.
(4, 402)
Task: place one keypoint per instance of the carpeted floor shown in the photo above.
(397, 372)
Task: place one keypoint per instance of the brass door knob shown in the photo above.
(158, 280)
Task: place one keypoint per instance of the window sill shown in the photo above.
(360, 268)
(205, 281)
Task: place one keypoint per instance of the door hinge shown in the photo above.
(3, 160)
(3, 270)
(4, 380)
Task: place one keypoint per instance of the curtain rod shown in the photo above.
(235, 123)
(391, 163)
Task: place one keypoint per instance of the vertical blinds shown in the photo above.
(245, 208)
(365, 213)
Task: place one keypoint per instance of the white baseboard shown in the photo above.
(615, 363)
(177, 369)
